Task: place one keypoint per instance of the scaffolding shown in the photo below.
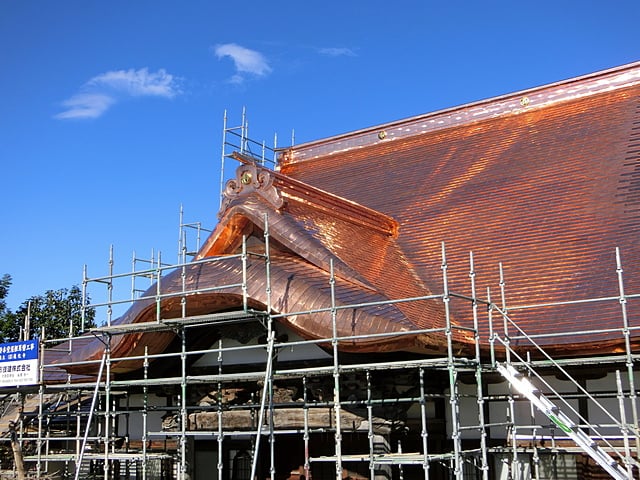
(92, 443)
(481, 416)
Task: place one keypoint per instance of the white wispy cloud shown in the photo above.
(85, 105)
(337, 52)
(101, 92)
(246, 61)
(138, 82)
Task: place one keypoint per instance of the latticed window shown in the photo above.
(242, 466)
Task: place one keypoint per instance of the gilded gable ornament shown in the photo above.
(251, 179)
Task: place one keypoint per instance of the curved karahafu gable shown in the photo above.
(321, 227)
(307, 242)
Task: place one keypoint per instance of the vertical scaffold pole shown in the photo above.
(268, 267)
(424, 432)
(133, 276)
(68, 412)
(79, 423)
(272, 436)
(268, 374)
(336, 374)
(625, 427)
(629, 356)
(275, 149)
(505, 320)
(484, 466)
(223, 155)
(158, 288)
(83, 309)
(534, 434)
(492, 334)
(40, 403)
(107, 406)
(305, 398)
(507, 344)
(145, 410)
(244, 131)
(110, 287)
(182, 237)
(183, 404)
(453, 373)
(370, 433)
(220, 419)
(183, 284)
(198, 239)
(272, 336)
(245, 296)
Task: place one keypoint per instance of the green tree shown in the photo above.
(56, 310)
(9, 324)
(5, 283)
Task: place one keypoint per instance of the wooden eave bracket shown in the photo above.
(275, 187)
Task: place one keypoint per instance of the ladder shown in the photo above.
(548, 408)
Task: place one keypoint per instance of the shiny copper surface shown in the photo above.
(546, 184)
(549, 192)
(300, 281)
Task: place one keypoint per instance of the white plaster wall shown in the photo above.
(252, 352)
(154, 417)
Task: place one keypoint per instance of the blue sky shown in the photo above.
(111, 112)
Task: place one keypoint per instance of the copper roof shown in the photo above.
(545, 182)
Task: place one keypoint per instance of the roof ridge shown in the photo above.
(511, 103)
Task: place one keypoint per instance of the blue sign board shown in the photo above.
(19, 363)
